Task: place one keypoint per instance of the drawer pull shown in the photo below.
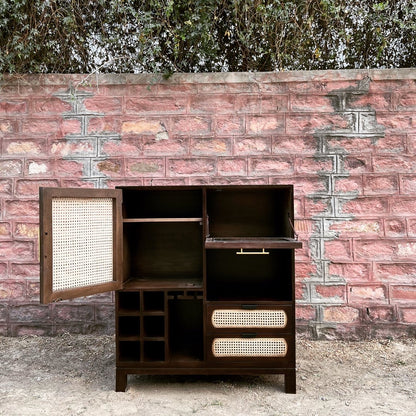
(263, 252)
(240, 318)
(253, 347)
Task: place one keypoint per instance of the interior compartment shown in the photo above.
(129, 301)
(129, 326)
(249, 212)
(153, 301)
(154, 351)
(164, 250)
(186, 329)
(162, 203)
(153, 326)
(129, 351)
(249, 277)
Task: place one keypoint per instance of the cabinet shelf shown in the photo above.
(252, 242)
(161, 219)
(163, 283)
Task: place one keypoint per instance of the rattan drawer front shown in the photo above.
(236, 318)
(249, 347)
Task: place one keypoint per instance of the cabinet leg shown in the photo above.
(121, 380)
(290, 382)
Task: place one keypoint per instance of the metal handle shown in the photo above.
(263, 252)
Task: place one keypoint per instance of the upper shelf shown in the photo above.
(252, 242)
(163, 219)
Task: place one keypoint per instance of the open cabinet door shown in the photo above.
(80, 242)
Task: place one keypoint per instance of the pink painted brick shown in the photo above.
(318, 206)
(380, 314)
(48, 105)
(357, 228)
(276, 165)
(408, 184)
(341, 314)
(65, 168)
(247, 103)
(397, 122)
(82, 313)
(21, 209)
(12, 290)
(310, 123)
(232, 166)
(403, 293)
(252, 146)
(33, 290)
(366, 206)
(157, 105)
(10, 167)
(367, 295)
(26, 230)
(5, 230)
(154, 167)
(327, 292)
(21, 330)
(109, 167)
(407, 101)
(383, 250)
(29, 313)
(304, 185)
(403, 206)
(41, 127)
(105, 105)
(39, 167)
(8, 126)
(263, 124)
(294, 145)
(305, 313)
(378, 102)
(211, 146)
(351, 145)
(30, 188)
(380, 184)
(401, 272)
(355, 165)
(274, 103)
(154, 147)
(25, 269)
(225, 125)
(127, 147)
(395, 227)
(63, 148)
(394, 164)
(348, 184)
(110, 124)
(191, 167)
(391, 143)
(411, 227)
(351, 271)
(338, 250)
(311, 103)
(408, 315)
(13, 107)
(25, 147)
(191, 125)
(6, 186)
(16, 250)
(212, 103)
(314, 165)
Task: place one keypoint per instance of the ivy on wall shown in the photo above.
(81, 36)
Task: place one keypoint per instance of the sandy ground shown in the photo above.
(74, 375)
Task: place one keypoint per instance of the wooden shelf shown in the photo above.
(163, 283)
(252, 243)
(147, 220)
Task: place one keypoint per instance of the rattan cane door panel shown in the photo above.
(80, 242)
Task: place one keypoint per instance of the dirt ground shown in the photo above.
(75, 375)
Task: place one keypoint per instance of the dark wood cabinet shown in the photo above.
(204, 276)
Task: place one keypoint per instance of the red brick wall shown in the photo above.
(345, 139)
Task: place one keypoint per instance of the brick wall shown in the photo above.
(345, 139)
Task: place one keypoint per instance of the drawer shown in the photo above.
(250, 349)
(226, 316)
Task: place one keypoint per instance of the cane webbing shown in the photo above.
(82, 242)
(237, 318)
(249, 347)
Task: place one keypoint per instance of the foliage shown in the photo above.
(39, 36)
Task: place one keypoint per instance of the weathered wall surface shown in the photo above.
(345, 139)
